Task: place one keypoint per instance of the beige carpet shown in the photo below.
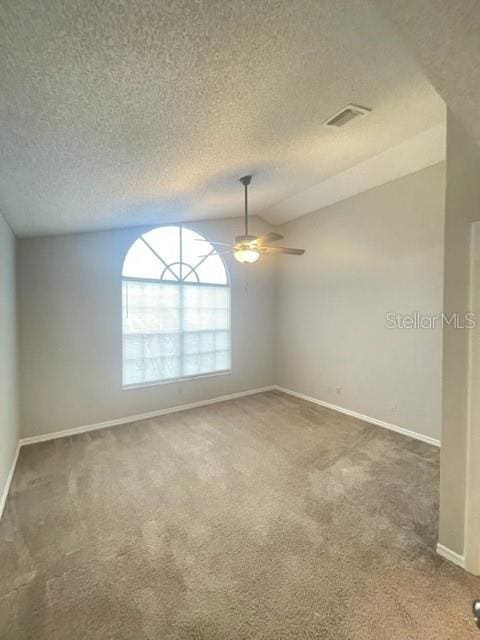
(265, 517)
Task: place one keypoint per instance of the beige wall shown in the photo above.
(462, 207)
(378, 252)
(70, 328)
(8, 354)
(472, 520)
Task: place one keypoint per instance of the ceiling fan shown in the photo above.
(247, 248)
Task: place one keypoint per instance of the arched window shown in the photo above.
(176, 308)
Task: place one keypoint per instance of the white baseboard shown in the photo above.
(141, 416)
(448, 554)
(8, 481)
(360, 416)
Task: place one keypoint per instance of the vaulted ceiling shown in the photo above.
(125, 112)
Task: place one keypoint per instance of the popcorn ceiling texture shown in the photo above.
(119, 113)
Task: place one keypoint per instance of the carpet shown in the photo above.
(264, 517)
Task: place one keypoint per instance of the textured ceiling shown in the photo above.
(122, 112)
(445, 38)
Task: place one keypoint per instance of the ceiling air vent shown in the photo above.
(350, 112)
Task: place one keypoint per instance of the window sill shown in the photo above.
(199, 376)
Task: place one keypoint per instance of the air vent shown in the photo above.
(350, 112)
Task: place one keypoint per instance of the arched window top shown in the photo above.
(174, 253)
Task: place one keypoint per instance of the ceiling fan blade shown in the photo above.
(287, 250)
(268, 237)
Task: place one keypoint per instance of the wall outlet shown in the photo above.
(338, 390)
(394, 408)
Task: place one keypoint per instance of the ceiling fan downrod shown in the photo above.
(246, 180)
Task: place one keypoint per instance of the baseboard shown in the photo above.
(448, 554)
(8, 482)
(360, 416)
(141, 416)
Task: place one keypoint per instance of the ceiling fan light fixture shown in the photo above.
(246, 248)
(246, 255)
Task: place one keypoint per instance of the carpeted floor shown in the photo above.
(264, 517)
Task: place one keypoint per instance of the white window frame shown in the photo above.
(181, 282)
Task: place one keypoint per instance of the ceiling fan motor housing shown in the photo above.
(245, 239)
